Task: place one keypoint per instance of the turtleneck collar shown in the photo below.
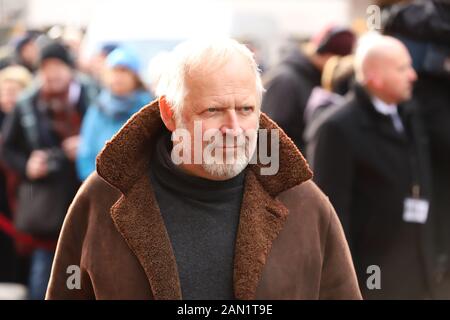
(174, 179)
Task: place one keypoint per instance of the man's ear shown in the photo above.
(377, 82)
(166, 114)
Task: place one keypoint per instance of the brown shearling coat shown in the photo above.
(290, 243)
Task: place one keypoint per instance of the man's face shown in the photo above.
(222, 101)
(56, 76)
(398, 75)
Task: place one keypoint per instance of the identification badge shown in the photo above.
(415, 210)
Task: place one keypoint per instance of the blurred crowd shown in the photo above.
(371, 115)
(55, 117)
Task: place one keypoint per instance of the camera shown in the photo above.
(56, 160)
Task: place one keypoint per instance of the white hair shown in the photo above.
(156, 67)
(193, 54)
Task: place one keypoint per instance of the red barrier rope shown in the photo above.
(8, 227)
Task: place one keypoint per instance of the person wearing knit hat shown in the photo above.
(26, 51)
(299, 72)
(56, 70)
(124, 95)
(56, 50)
(334, 40)
(123, 61)
(40, 141)
(122, 57)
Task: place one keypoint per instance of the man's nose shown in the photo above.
(231, 124)
(413, 75)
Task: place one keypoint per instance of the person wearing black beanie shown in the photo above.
(40, 142)
(26, 52)
(298, 73)
(58, 51)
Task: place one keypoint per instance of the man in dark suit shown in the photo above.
(370, 157)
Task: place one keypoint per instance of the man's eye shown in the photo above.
(211, 110)
(246, 109)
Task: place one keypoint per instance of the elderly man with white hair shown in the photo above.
(370, 156)
(186, 202)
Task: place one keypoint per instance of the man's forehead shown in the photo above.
(233, 64)
(226, 99)
(221, 87)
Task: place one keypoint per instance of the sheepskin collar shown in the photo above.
(125, 158)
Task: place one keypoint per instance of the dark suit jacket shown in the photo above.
(368, 169)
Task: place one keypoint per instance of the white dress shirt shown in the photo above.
(390, 110)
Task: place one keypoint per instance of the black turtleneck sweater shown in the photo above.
(201, 218)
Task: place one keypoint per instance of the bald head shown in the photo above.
(383, 66)
(375, 52)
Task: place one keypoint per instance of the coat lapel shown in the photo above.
(262, 216)
(261, 220)
(138, 219)
(384, 126)
(124, 163)
(373, 120)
